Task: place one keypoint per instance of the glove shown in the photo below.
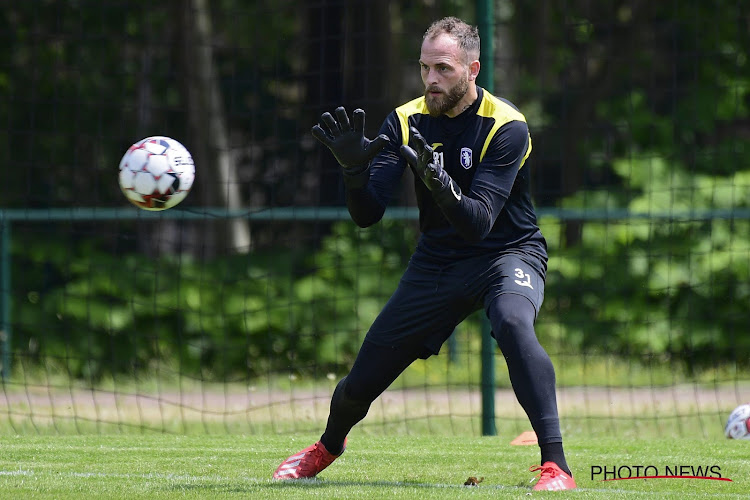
(348, 143)
(419, 155)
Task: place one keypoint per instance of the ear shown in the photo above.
(473, 70)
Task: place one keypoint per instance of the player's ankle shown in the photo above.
(553, 452)
(334, 449)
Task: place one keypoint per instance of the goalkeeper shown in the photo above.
(480, 246)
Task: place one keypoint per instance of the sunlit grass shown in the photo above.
(161, 466)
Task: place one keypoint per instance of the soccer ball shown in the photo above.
(738, 423)
(156, 173)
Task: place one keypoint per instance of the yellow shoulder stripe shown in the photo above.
(413, 107)
(492, 107)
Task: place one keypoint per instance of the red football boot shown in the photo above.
(307, 463)
(552, 478)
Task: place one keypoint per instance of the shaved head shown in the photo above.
(465, 35)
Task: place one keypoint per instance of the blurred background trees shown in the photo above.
(634, 106)
(82, 80)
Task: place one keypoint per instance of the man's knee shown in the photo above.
(512, 313)
(513, 324)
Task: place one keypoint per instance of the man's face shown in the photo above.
(444, 73)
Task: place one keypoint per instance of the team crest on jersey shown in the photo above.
(466, 158)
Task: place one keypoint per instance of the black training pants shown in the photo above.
(430, 301)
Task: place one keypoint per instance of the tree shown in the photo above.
(617, 78)
(206, 113)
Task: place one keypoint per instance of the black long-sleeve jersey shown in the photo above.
(483, 149)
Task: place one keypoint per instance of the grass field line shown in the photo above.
(324, 483)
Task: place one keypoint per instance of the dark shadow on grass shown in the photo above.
(214, 487)
(299, 484)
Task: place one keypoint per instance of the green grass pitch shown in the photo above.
(167, 466)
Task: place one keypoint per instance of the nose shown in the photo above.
(431, 77)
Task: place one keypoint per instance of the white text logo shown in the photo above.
(523, 276)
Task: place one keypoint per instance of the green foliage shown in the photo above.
(670, 286)
(668, 289)
(637, 106)
(229, 317)
(598, 86)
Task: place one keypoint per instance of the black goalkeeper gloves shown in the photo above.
(419, 155)
(348, 144)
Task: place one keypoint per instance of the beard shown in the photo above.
(441, 104)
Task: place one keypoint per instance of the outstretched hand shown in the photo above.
(347, 140)
(420, 156)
